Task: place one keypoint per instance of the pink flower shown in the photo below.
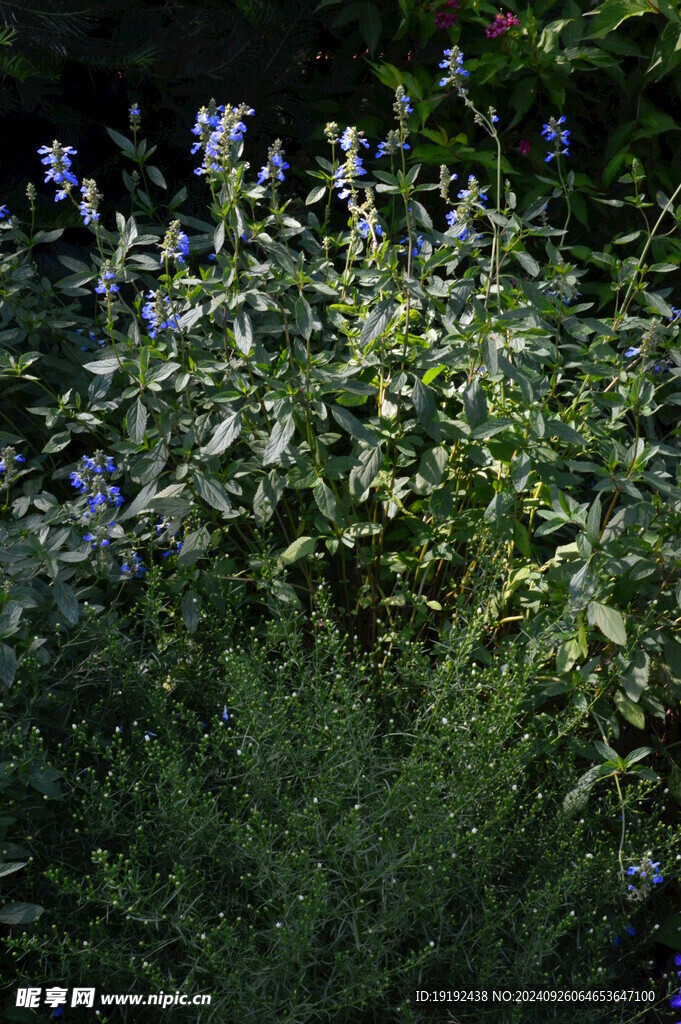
(524, 147)
(501, 24)
(445, 19)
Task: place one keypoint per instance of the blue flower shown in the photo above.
(57, 1013)
(453, 62)
(276, 165)
(364, 228)
(632, 870)
(57, 158)
(89, 204)
(552, 131)
(104, 286)
(134, 570)
(175, 244)
(629, 930)
(631, 352)
(135, 114)
(225, 716)
(676, 313)
(616, 940)
(349, 136)
(675, 1002)
(157, 314)
(4, 211)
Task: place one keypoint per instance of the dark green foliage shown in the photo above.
(322, 853)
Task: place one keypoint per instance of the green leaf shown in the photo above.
(190, 606)
(8, 869)
(67, 602)
(243, 332)
(219, 237)
(156, 176)
(370, 25)
(212, 492)
(475, 404)
(635, 678)
(103, 366)
(431, 468)
(423, 400)
(136, 419)
(122, 142)
(669, 932)
(282, 433)
(520, 473)
(304, 317)
(225, 433)
(45, 780)
(270, 490)
(20, 913)
(490, 354)
(8, 665)
(302, 547)
(352, 425)
(315, 194)
(637, 755)
(609, 621)
(377, 321)
(612, 13)
(630, 711)
(193, 546)
(364, 473)
(527, 262)
(326, 501)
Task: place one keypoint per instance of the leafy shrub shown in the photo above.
(313, 404)
(244, 818)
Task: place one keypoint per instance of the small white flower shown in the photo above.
(278, 924)
(315, 800)
(444, 720)
(474, 830)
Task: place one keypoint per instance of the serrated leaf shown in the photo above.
(527, 262)
(326, 501)
(302, 547)
(490, 354)
(520, 473)
(243, 332)
(270, 490)
(635, 677)
(136, 418)
(103, 366)
(377, 321)
(609, 621)
(304, 317)
(423, 400)
(225, 433)
(630, 711)
(364, 473)
(282, 432)
(193, 546)
(352, 425)
(431, 468)
(67, 602)
(212, 492)
(475, 404)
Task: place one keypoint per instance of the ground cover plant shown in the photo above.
(428, 403)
